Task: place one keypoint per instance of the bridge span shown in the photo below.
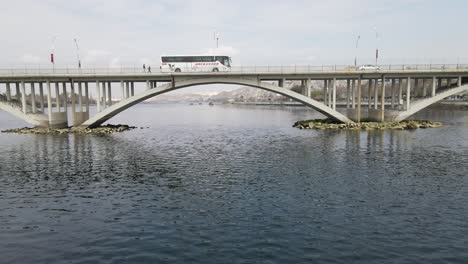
(393, 93)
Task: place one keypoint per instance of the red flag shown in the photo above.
(52, 58)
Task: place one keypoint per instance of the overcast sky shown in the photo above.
(264, 32)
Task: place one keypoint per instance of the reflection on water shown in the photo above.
(230, 184)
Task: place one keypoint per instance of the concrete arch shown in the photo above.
(421, 104)
(32, 119)
(115, 109)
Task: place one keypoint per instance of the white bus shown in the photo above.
(196, 63)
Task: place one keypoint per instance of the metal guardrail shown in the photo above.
(237, 69)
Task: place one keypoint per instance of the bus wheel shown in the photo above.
(177, 70)
(215, 70)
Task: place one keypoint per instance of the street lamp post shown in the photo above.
(355, 57)
(216, 37)
(376, 45)
(77, 52)
(52, 51)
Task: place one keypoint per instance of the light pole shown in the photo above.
(216, 37)
(376, 45)
(77, 53)
(355, 57)
(52, 51)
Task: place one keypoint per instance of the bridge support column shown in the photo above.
(41, 96)
(133, 88)
(347, 93)
(87, 97)
(408, 93)
(434, 85)
(324, 94)
(370, 86)
(308, 88)
(33, 98)
(329, 92)
(359, 100)
(17, 85)
(57, 119)
(57, 97)
(148, 85)
(73, 102)
(334, 93)
(109, 89)
(8, 92)
(80, 97)
(104, 98)
(127, 89)
(459, 81)
(382, 101)
(415, 88)
(392, 91)
(98, 95)
(23, 97)
(49, 102)
(376, 93)
(65, 98)
(122, 90)
(400, 92)
(424, 90)
(354, 94)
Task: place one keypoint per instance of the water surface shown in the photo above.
(227, 184)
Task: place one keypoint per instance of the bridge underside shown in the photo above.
(374, 97)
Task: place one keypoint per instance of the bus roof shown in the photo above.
(198, 55)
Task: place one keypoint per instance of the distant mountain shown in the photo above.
(243, 94)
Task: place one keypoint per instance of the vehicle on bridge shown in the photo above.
(369, 67)
(195, 63)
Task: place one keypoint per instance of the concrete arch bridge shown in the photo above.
(43, 98)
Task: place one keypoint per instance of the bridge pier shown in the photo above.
(122, 90)
(17, 95)
(87, 98)
(353, 92)
(33, 98)
(8, 91)
(127, 89)
(132, 89)
(334, 94)
(408, 93)
(65, 97)
(324, 93)
(57, 119)
(308, 88)
(78, 117)
(23, 97)
(98, 97)
(80, 97)
(376, 93)
(109, 88)
(348, 83)
(41, 97)
(104, 98)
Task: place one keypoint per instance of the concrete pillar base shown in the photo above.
(352, 114)
(79, 118)
(375, 115)
(58, 120)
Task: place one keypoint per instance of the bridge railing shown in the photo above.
(235, 69)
